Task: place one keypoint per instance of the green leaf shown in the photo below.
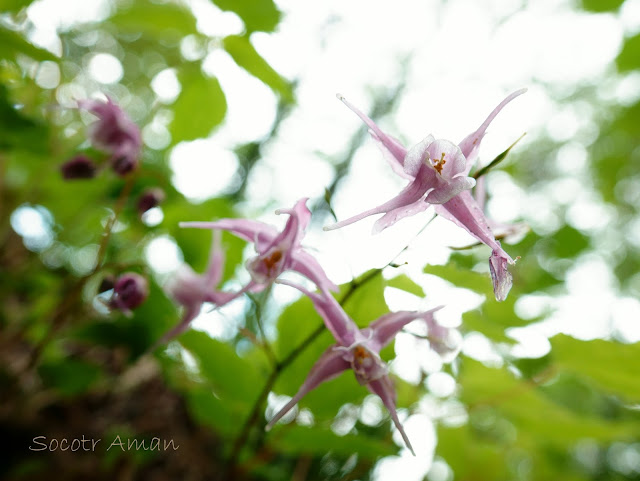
(601, 5)
(199, 108)
(257, 15)
(302, 440)
(160, 20)
(13, 5)
(367, 303)
(496, 391)
(232, 378)
(246, 56)
(12, 43)
(213, 412)
(16, 130)
(405, 283)
(69, 376)
(629, 56)
(612, 366)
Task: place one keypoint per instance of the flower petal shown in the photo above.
(500, 275)
(216, 262)
(393, 146)
(386, 327)
(247, 229)
(395, 215)
(448, 190)
(471, 142)
(297, 223)
(305, 264)
(409, 195)
(383, 387)
(465, 212)
(330, 365)
(416, 156)
(341, 326)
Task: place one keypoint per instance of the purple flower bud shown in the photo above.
(115, 133)
(124, 164)
(80, 167)
(149, 199)
(130, 291)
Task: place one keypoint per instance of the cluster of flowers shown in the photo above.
(437, 172)
(119, 137)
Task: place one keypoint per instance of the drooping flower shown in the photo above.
(149, 199)
(192, 290)
(130, 290)
(276, 251)
(359, 350)
(80, 167)
(438, 174)
(114, 133)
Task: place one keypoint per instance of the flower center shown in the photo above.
(271, 261)
(439, 163)
(360, 355)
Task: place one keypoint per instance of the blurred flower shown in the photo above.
(115, 133)
(80, 167)
(129, 291)
(438, 171)
(358, 349)
(277, 251)
(191, 290)
(149, 199)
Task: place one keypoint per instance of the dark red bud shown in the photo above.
(149, 199)
(80, 167)
(130, 291)
(124, 164)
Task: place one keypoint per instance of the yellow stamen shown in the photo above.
(439, 164)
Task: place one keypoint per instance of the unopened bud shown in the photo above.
(80, 167)
(124, 164)
(149, 199)
(129, 291)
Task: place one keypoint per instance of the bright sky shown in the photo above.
(465, 56)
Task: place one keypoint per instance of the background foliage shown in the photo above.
(70, 368)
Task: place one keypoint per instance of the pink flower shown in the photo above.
(192, 290)
(276, 251)
(438, 174)
(115, 133)
(359, 350)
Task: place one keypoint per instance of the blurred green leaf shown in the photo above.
(17, 130)
(629, 56)
(12, 43)
(246, 56)
(601, 5)
(405, 283)
(257, 15)
(211, 411)
(160, 20)
(487, 389)
(199, 108)
(612, 366)
(232, 378)
(13, 5)
(367, 303)
(300, 440)
(69, 376)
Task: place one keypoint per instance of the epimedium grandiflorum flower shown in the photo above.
(192, 290)
(276, 251)
(437, 171)
(114, 133)
(359, 350)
